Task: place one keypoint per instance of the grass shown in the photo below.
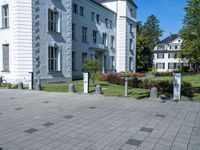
(108, 89)
(193, 79)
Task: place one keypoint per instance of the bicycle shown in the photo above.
(3, 81)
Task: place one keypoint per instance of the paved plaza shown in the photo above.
(63, 121)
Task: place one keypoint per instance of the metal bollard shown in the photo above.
(20, 86)
(71, 88)
(98, 89)
(126, 87)
(154, 93)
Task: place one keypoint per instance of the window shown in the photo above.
(106, 22)
(84, 57)
(5, 16)
(53, 18)
(131, 44)
(130, 63)
(53, 58)
(160, 47)
(171, 66)
(104, 39)
(105, 63)
(171, 55)
(92, 16)
(6, 58)
(73, 61)
(160, 65)
(75, 8)
(84, 34)
(111, 24)
(160, 55)
(112, 63)
(176, 47)
(131, 28)
(112, 41)
(82, 11)
(73, 31)
(94, 36)
(98, 18)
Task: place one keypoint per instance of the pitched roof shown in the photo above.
(169, 39)
(131, 1)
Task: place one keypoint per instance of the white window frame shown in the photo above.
(54, 21)
(5, 16)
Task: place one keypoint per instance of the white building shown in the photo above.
(165, 59)
(51, 38)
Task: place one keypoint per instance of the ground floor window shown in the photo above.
(160, 65)
(53, 58)
(73, 61)
(130, 63)
(112, 65)
(6, 58)
(171, 66)
(84, 57)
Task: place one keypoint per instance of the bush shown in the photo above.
(163, 74)
(139, 74)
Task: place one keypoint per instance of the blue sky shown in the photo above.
(169, 12)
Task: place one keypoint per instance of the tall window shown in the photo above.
(112, 41)
(105, 62)
(94, 36)
(84, 57)
(160, 65)
(171, 55)
(111, 24)
(112, 63)
(131, 44)
(92, 16)
(73, 61)
(6, 58)
(98, 18)
(53, 17)
(106, 22)
(53, 58)
(5, 16)
(130, 63)
(104, 39)
(81, 11)
(73, 31)
(160, 55)
(84, 34)
(75, 8)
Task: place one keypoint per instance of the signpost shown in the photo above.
(86, 82)
(177, 86)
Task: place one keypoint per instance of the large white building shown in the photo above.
(165, 59)
(52, 38)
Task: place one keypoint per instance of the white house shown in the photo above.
(165, 59)
(51, 38)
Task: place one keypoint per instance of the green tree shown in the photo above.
(93, 67)
(190, 33)
(147, 37)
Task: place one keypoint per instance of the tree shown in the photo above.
(147, 37)
(190, 33)
(93, 67)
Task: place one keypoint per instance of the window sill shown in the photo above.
(5, 71)
(5, 28)
(54, 32)
(52, 72)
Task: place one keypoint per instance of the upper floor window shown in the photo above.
(81, 11)
(84, 34)
(160, 65)
(160, 55)
(160, 47)
(53, 18)
(73, 31)
(176, 47)
(98, 18)
(131, 44)
(94, 36)
(75, 8)
(171, 55)
(112, 41)
(92, 15)
(111, 24)
(104, 39)
(106, 22)
(5, 16)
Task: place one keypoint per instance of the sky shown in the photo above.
(169, 12)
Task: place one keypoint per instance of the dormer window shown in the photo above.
(160, 47)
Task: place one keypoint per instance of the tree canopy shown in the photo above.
(148, 35)
(191, 34)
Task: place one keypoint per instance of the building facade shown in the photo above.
(165, 59)
(52, 38)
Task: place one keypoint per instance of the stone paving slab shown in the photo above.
(61, 121)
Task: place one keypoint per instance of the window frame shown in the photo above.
(84, 34)
(53, 64)
(53, 20)
(5, 16)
